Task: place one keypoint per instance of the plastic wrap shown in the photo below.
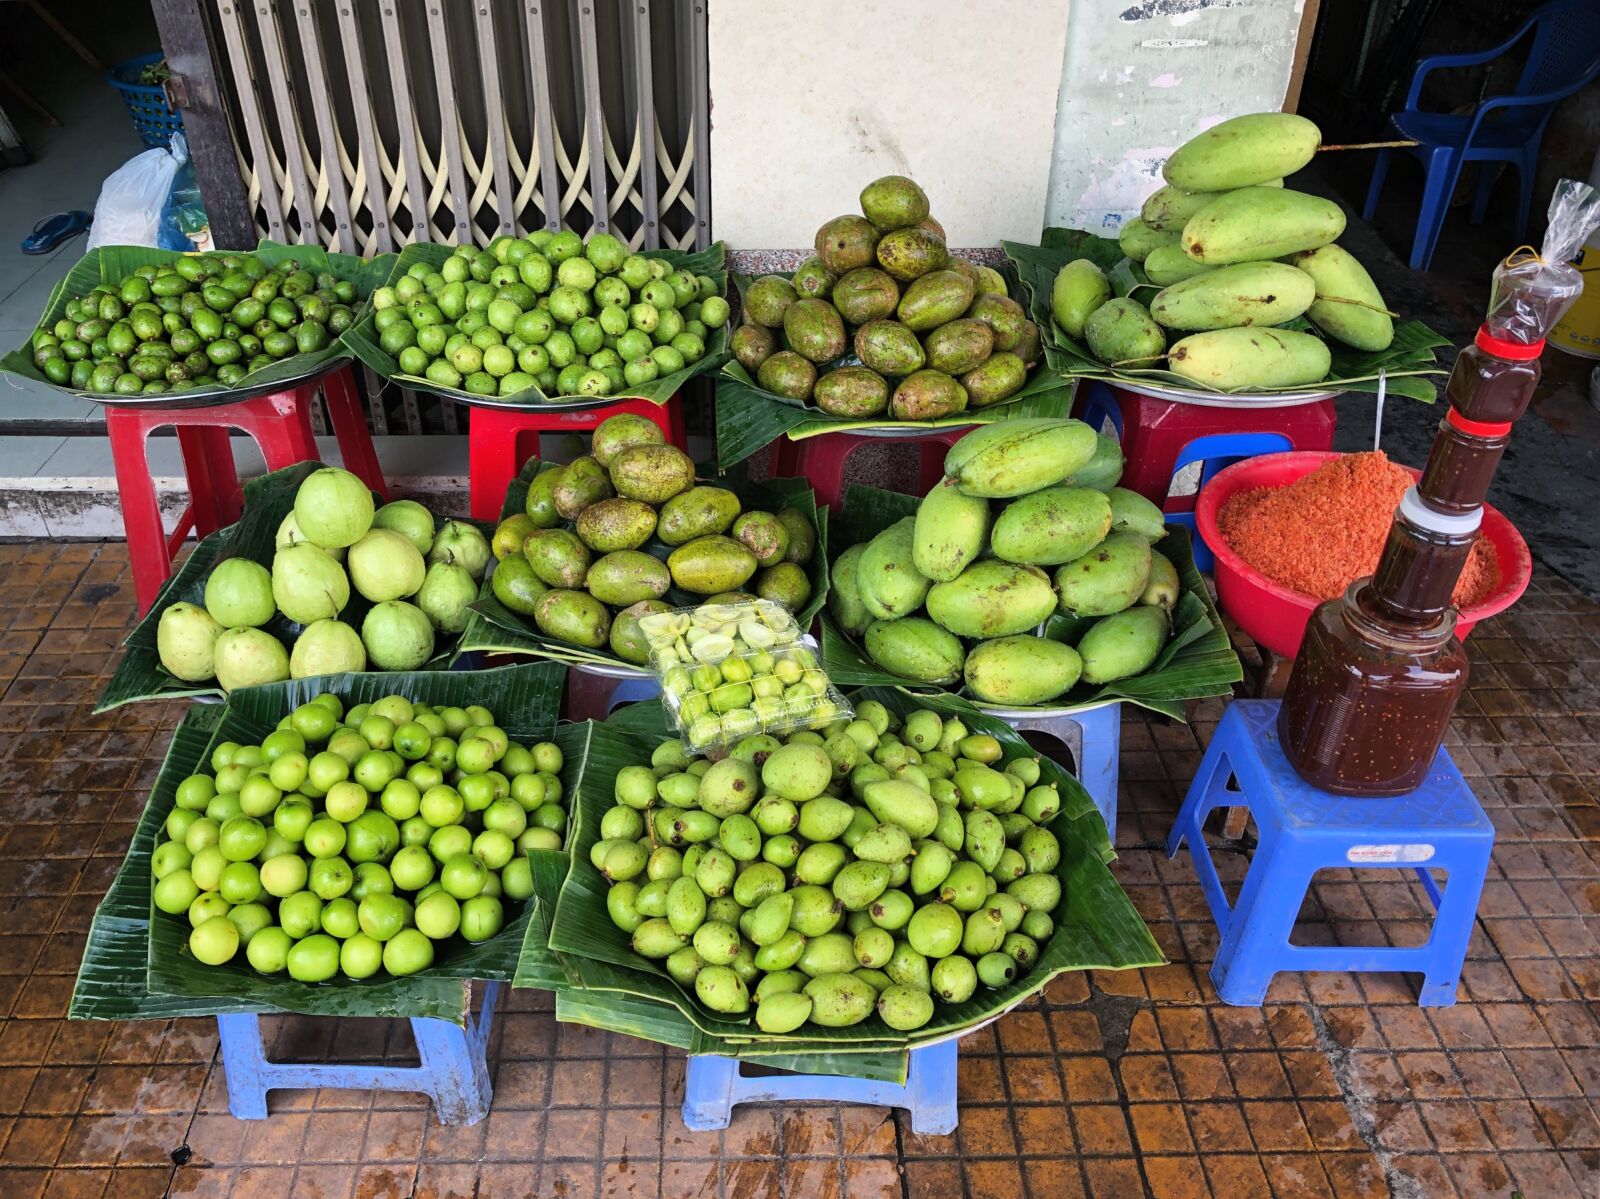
(1532, 290)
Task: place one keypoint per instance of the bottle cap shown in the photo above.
(1512, 351)
(1478, 428)
(1415, 511)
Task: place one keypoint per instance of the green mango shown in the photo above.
(949, 531)
(1107, 579)
(1250, 359)
(852, 392)
(813, 280)
(1080, 287)
(1004, 316)
(889, 582)
(1123, 645)
(651, 473)
(1168, 208)
(1348, 306)
(814, 330)
(627, 640)
(910, 253)
(904, 804)
(767, 299)
(557, 557)
(1122, 331)
(1247, 293)
(846, 243)
(913, 647)
(840, 1000)
(1016, 671)
(541, 503)
(616, 524)
(698, 512)
(516, 586)
(996, 378)
(889, 348)
(1132, 513)
(992, 598)
(1251, 150)
(1103, 470)
(1256, 223)
(626, 577)
(1169, 264)
(752, 345)
(935, 298)
(894, 202)
(787, 374)
(844, 597)
(617, 433)
(1052, 526)
(1013, 457)
(1162, 589)
(582, 483)
(928, 395)
(957, 346)
(865, 295)
(711, 564)
(1138, 240)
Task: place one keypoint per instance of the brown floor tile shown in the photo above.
(1113, 1177)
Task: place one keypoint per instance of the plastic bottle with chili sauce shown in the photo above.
(1494, 378)
(1421, 561)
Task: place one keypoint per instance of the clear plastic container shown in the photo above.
(728, 671)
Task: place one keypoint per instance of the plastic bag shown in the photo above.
(183, 216)
(1531, 290)
(133, 196)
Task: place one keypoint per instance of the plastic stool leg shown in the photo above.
(826, 472)
(141, 510)
(708, 1092)
(1099, 757)
(1254, 938)
(677, 429)
(492, 450)
(455, 1068)
(208, 466)
(1452, 925)
(350, 429)
(244, 1063)
(931, 1088)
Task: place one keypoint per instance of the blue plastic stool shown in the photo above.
(594, 692)
(454, 1070)
(714, 1085)
(1303, 830)
(1100, 408)
(1216, 452)
(1094, 738)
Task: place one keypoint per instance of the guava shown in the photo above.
(461, 544)
(333, 508)
(239, 594)
(186, 639)
(410, 518)
(327, 647)
(248, 658)
(385, 565)
(289, 534)
(445, 594)
(398, 636)
(307, 584)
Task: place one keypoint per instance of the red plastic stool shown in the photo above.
(281, 425)
(820, 460)
(1154, 431)
(498, 440)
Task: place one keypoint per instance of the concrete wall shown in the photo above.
(812, 99)
(1142, 76)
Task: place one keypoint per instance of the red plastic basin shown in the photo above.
(1276, 615)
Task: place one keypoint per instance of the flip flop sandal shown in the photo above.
(52, 230)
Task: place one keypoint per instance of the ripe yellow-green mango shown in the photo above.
(1052, 526)
(1249, 293)
(992, 598)
(949, 531)
(887, 577)
(1256, 223)
(1240, 359)
(1162, 588)
(1169, 264)
(1021, 670)
(844, 596)
(1137, 239)
(913, 647)
(1103, 470)
(1121, 330)
(1168, 208)
(1013, 457)
(1107, 579)
(1123, 645)
(1348, 306)
(1243, 152)
(1079, 289)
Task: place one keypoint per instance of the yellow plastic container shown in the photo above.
(1579, 331)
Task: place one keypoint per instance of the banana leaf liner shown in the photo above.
(1408, 363)
(1096, 926)
(526, 701)
(1198, 660)
(494, 628)
(749, 416)
(361, 339)
(112, 264)
(267, 500)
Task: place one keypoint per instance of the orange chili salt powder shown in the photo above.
(1325, 530)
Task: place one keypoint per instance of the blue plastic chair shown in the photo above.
(1564, 57)
(1439, 826)
(1214, 453)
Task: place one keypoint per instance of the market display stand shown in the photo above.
(280, 423)
(821, 460)
(1093, 736)
(1439, 826)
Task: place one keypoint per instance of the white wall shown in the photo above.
(1142, 76)
(813, 99)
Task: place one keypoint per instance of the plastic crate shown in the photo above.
(153, 117)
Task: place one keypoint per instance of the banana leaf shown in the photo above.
(1097, 927)
(267, 500)
(1198, 660)
(494, 628)
(112, 264)
(1408, 363)
(361, 339)
(526, 701)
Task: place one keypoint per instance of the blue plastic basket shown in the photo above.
(153, 118)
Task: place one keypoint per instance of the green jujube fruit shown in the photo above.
(910, 253)
(903, 804)
(1138, 240)
(1245, 151)
(1132, 513)
(905, 1008)
(1256, 223)
(948, 532)
(626, 577)
(1246, 359)
(711, 564)
(616, 524)
(574, 616)
(913, 647)
(782, 1012)
(997, 378)
(1348, 307)
(853, 392)
(928, 395)
(787, 374)
(839, 1000)
(651, 473)
(958, 345)
(1247, 293)
(1051, 526)
(992, 598)
(1103, 470)
(1169, 264)
(814, 330)
(722, 990)
(1080, 287)
(1123, 645)
(698, 512)
(1015, 671)
(844, 596)
(889, 348)
(1013, 457)
(864, 295)
(933, 299)
(1122, 330)
(1107, 579)
(889, 582)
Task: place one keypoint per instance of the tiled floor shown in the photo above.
(1115, 1085)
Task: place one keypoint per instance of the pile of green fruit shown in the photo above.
(605, 537)
(1236, 255)
(417, 580)
(884, 867)
(548, 311)
(729, 670)
(349, 848)
(202, 320)
(883, 319)
(958, 591)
